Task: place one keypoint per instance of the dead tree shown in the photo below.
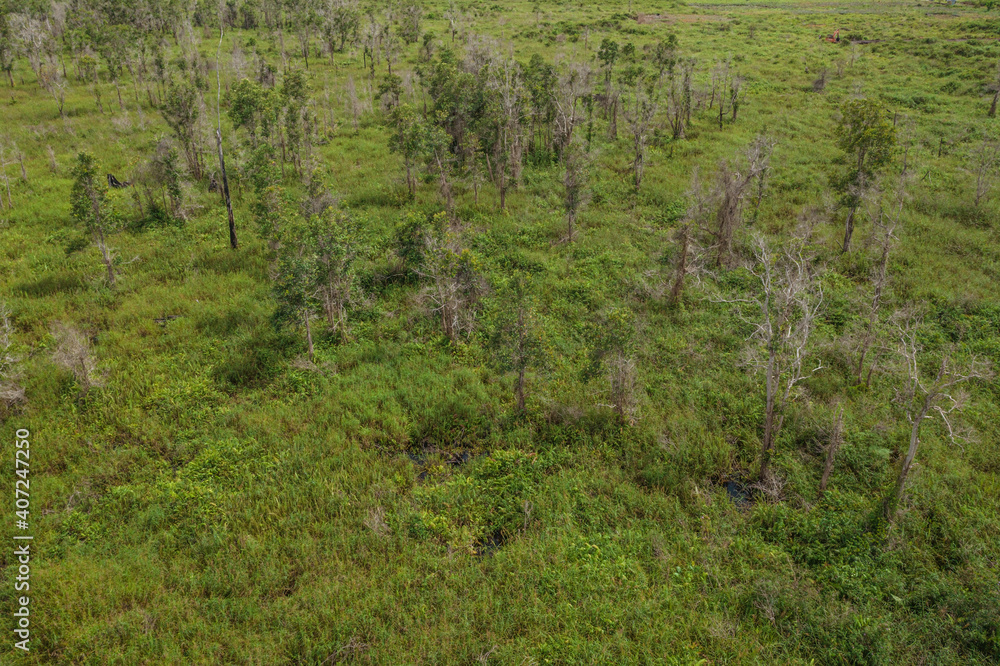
(686, 239)
(759, 152)
(11, 392)
(995, 86)
(785, 314)
(455, 286)
(886, 217)
(985, 159)
(73, 352)
(731, 190)
(639, 115)
(836, 439)
(921, 397)
(218, 144)
(575, 193)
(574, 84)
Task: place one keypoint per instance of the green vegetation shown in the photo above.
(543, 341)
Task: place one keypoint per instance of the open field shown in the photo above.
(210, 486)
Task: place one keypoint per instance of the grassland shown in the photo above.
(218, 501)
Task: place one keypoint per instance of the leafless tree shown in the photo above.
(995, 87)
(886, 217)
(689, 252)
(985, 158)
(4, 161)
(574, 83)
(784, 316)
(33, 38)
(454, 285)
(504, 81)
(730, 191)
(73, 352)
(11, 392)
(836, 439)
(759, 153)
(921, 396)
(639, 110)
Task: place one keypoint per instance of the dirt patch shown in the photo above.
(678, 18)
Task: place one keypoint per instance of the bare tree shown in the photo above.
(786, 308)
(886, 217)
(685, 236)
(985, 158)
(73, 352)
(921, 396)
(455, 286)
(353, 106)
(505, 83)
(4, 161)
(731, 190)
(759, 152)
(11, 392)
(836, 439)
(574, 84)
(995, 87)
(639, 112)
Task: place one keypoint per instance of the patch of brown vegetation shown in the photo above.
(678, 18)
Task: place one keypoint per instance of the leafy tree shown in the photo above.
(92, 209)
(294, 94)
(517, 338)
(407, 139)
(331, 242)
(868, 138)
(180, 110)
(293, 289)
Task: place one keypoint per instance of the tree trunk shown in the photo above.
(831, 452)
(849, 231)
(519, 389)
(309, 337)
(993, 106)
(765, 457)
(892, 501)
(106, 257)
(225, 191)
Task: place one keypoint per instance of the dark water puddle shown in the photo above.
(451, 458)
(490, 544)
(739, 493)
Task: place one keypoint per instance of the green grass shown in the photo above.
(216, 503)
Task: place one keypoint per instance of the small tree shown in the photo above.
(688, 251)
(293, 289)
(73, 352)
(985, 160)
(886, 217)
(11, 392)
(867, 136)
(455, 285)
(333, 245)
(180, 109)
(93, 210)
(731, 190)
(613, 355)
(639, 113)
(920, 396)
(517, 339)
(575, 176)
(786, 306)
(407, 139)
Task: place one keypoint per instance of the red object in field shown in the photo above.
(835, 37)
